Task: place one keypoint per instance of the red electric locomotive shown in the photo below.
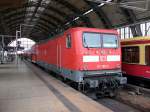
(88, 56)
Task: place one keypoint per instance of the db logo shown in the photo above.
(103, 58)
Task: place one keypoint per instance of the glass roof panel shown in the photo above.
(30, 9)
(46, 1)
(41, 9)
(32, 0)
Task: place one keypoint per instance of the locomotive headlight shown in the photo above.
(102, 52)
(86, 53)
(109, 52)
(97, 52)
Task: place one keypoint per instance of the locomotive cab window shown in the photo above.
(91, 40)
(110, 41)
(130, 54)
(96, 40)
(147, 55)
(68, 41)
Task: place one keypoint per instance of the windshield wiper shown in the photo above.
(116, 44)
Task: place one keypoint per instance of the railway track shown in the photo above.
(138, 89)
(118, 104)
(114, 104)
(135, 96)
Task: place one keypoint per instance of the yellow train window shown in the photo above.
(130, 54)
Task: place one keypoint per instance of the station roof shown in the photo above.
(41, 19)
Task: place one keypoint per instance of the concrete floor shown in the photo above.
(22, 91)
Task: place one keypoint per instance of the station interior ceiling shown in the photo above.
(42, 19)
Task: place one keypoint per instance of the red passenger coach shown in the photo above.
(88, 56)
(136, 60)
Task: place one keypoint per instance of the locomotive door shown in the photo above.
(59, 57)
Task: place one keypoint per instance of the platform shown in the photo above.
(28, 89)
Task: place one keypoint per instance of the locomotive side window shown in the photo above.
(147, 55)
(110, 41)
(92, 40)
(130, 54)
(68, 41)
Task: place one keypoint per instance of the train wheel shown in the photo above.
(79, 87)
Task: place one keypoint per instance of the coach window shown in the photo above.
(130, 54)
(68, 41)
(147, 55)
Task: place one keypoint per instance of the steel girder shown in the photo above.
(76, 11)
(49, 21)
(17, 22)
(46, 28)
(69, 6)
(40, 19)
(45, 14)
(136, 30)
(98, 10)
(37, 27)
(3, 24)
(48, 8)
(14, 26)
(36, 9)
(130, 16)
